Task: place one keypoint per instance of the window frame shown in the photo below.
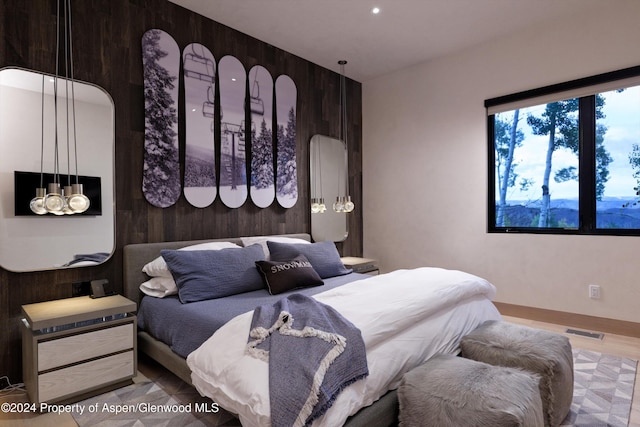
(584, 89)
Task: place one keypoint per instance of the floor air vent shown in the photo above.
(593, 335)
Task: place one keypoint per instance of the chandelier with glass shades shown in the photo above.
(343, 203)
(54, 199)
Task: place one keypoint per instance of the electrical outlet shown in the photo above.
(594, 291)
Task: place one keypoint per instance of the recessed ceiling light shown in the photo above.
(375, 10)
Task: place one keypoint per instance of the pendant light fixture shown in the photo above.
(344, 203)
(76, 200)
(37, 203)
(317, 199)
(55, 200)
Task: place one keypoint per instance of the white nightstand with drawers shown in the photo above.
(75, 347)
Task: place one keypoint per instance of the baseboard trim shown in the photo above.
(591, 323)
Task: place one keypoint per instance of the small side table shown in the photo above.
(73, 348)
(361, 265)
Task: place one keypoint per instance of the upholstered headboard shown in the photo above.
(135, 256)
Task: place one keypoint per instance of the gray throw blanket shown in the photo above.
(313, 354)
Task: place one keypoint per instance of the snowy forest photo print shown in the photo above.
(205, 84)
(286, 169)
(199, 75)
(233, 166)
(262, 188)
(161, 65)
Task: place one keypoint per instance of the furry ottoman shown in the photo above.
(545, 353)
(450, 391)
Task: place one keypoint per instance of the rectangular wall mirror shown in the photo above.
(31, 243)
(328, 168)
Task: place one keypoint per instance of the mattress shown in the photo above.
(405, 317)
(166, 318)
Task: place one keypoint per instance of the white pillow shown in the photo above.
(159, 287)
(262, 241)
(158, 268)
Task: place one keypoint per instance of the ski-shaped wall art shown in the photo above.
(233, 164)
(199, 73)
(161, 66)
(262, 189)
(286, 169)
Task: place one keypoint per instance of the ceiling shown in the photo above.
(404, 33)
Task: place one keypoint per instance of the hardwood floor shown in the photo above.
(611, 344)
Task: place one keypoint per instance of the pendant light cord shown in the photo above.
(42, 136)
(69, 77)
(55, 98)
(343, 122)
(66, 83)
(73, 95)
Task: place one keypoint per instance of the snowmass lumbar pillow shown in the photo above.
(283, 276)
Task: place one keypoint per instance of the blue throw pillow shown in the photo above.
(323, 256)
(202, 275)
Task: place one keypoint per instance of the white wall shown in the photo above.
(425, 167)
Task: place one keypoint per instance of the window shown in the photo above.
(566, 158)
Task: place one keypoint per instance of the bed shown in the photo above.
(370, 401)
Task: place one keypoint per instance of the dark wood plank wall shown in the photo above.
(107, 52)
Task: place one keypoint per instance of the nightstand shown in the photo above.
(77, 347)
(361, 265)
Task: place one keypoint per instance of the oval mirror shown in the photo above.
(30, 242)
(328, 169)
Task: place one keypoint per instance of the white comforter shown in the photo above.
(405, 317)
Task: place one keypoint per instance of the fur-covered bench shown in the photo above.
(545, 353)
(451, 391)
